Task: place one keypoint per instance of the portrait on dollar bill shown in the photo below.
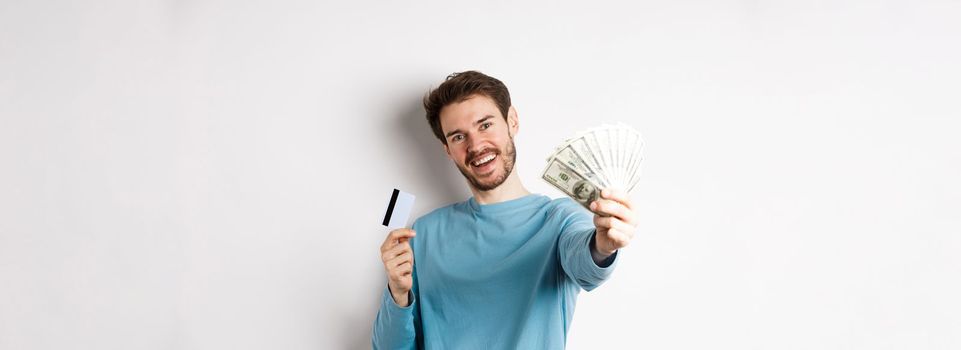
(584, 191)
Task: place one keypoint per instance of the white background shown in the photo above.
(212, 174)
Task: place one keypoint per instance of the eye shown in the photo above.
(457, 138)
(486, 125)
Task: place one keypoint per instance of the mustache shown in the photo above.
(472, 155)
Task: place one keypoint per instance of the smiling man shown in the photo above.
(502, 269)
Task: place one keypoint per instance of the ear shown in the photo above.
(512, 122)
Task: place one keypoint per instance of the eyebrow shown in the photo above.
(475, 123)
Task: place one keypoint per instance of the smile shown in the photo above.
(484, 160)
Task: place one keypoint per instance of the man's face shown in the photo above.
(479, 141)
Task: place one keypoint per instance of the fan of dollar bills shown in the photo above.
(608, 156)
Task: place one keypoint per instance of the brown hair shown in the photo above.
(459, 87)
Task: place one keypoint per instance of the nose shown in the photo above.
(474, 144)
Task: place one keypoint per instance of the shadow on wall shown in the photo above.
(434, 179)
(434, 169)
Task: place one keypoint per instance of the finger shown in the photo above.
(394, 237)
(618, 195)
(620, 234)
(395, 251)
(618, 240)
(400, 259)
(401, 268)
(397, 275)
(410, 260)
(601, 221)
(606, 207)
(613, 224)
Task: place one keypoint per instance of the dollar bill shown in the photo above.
(573, 160)
(575, 185)
(584, 152)
(606, 156)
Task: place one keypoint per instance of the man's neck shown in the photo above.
(512, 188)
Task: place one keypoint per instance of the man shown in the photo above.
(502, 269)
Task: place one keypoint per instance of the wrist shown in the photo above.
(601, 258)
(603, 250)
(598, 254)
(400, 298)
(599, 247)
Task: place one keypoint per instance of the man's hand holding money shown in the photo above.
(606, 157)
(615, 220)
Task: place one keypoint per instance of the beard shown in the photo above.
(497, 180)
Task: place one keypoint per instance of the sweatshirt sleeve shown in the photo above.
(397, 327)
(574, 247)
(394, 326)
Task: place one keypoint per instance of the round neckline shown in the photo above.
(507, 205)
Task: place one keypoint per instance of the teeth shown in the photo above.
(481, 161)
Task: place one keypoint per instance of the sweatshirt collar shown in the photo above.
(505, 206)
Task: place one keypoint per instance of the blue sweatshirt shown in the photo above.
(496, 276)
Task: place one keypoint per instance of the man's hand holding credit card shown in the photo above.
(396, 254)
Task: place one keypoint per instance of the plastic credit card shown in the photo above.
(398, 210)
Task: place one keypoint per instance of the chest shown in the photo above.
(485, 258)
